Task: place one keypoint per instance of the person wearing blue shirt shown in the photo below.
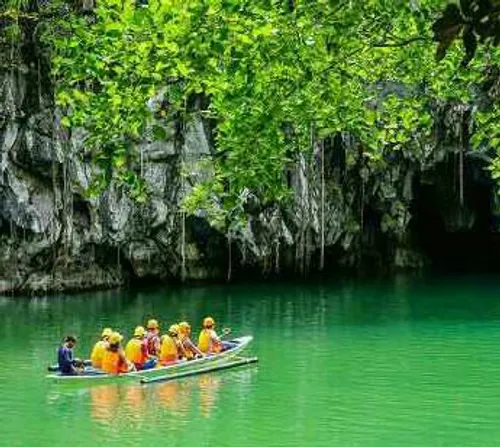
(67, 365)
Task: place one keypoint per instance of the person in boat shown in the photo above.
(209, 342)
(171, 348)
(68, 366)
(190, 349)
(100, 347)
(153, 337)
(114, 360)
(137, 351)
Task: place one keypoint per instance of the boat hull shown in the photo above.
(242, 343)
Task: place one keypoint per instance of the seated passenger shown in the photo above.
(190, 349)
(99, 348)
(153, 337)
(136, 351)
(171, 349)
(114, 360)
(209, 342)
(68, 366)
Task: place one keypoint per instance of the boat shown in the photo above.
(95, 375)
(219, 366)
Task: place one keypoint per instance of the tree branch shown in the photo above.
(402, 43)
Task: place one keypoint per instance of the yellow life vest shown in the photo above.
(206, 343)
(168, 351)
(133, 352)
(98, 353)
(112, 363)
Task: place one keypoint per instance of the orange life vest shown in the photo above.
(207, 342)
(169, 351)
(153, 342)
(135, 353)
(112, 362)
(98, 353)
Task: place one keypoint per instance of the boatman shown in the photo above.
(100, 348)
(68, 366)
(114, 360)
(171, 348)
(153, 337)
(209, 342)
(137, 350)
(190, 349)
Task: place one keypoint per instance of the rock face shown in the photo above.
(54, 238)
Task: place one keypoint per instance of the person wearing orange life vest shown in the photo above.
(100, 347)
(190, 349)
(171, 348)
(209, 342)
(137, 352)
(114, 360)
(153, 337)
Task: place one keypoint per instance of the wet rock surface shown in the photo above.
(53, 237)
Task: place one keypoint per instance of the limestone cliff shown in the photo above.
(53, 237)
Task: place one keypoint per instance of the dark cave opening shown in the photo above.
(451, 235)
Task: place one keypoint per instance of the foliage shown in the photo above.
(277, 76)
(473, 21)
(276, 80)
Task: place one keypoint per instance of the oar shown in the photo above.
(166, 378)
(225, 331)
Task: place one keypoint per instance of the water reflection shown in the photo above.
(104, 400)
(115, 403)
(209, 386)
(171, 397)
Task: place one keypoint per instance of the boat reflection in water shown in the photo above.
(128, 403)
(172, 396)
(103, 402)
(209, 386)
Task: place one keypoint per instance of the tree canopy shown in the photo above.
(275, 76)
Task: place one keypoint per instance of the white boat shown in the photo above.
(93, 375)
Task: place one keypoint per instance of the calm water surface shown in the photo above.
(393, 362)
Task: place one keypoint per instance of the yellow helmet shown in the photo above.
(153, 324)
(174, 329)
(184, 327)
(208, 322)
(106, 332)
(139, 331)
(115, 338)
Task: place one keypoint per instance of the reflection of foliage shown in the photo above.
(473, 21)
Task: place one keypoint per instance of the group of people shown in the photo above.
(146, 349)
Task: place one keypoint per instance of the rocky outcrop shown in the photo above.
(53, 237)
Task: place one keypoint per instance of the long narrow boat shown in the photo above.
(96, 375)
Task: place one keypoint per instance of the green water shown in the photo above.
(393, 362)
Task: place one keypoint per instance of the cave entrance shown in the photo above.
(453, 236)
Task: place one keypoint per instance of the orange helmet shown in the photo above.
(139, 331)
(115, 338)
(184, 328)
(208, 322)
(106, 332)
(153, 324)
